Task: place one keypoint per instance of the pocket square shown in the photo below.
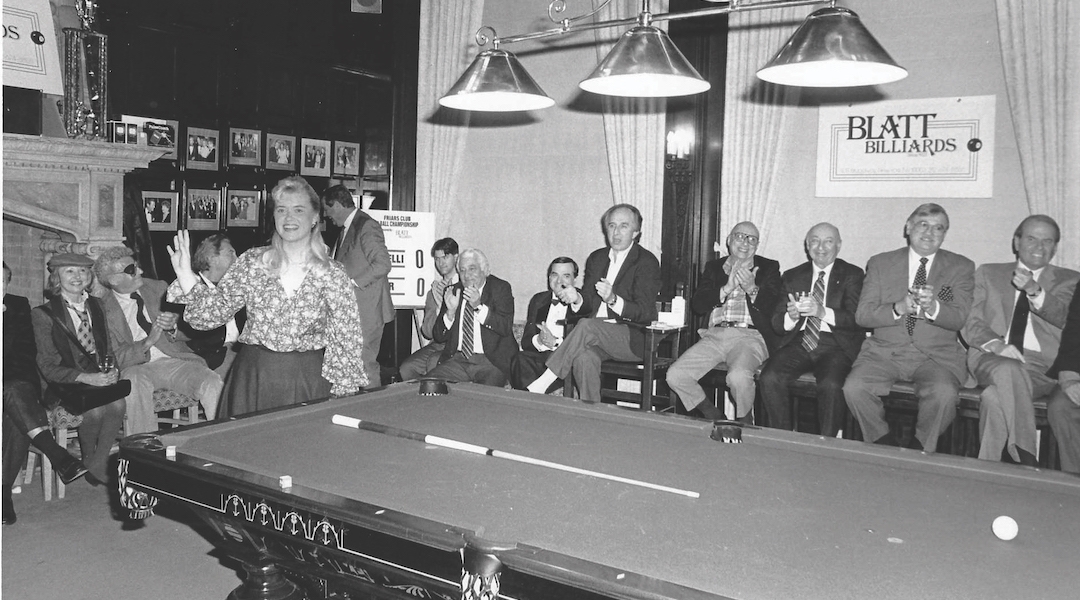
(945, 294)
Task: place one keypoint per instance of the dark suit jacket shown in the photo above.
(20, 351)
(367, 262)
(58, 357)
(1068, 358)
(841, 295)
(538, 313)
(992, 309)
(887, 283)
(125, 347)
(713, 278)
(496, 332)
(210, 345)
(637, 283)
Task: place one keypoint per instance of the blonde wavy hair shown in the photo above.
(318, 257)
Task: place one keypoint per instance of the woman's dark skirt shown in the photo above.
(261, 379)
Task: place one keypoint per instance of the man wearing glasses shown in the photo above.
(739, 293)
(915, 299)
(149, 351)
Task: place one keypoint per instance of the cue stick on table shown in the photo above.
(466, 447)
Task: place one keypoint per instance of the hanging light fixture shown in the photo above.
(831, 49)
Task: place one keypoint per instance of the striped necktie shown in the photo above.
(812, 332)
(467, 320)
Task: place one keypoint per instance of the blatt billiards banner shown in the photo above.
(31, 57)
(923, 148)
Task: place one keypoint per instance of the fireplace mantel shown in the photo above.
(72, 187)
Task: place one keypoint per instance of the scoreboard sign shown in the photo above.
(409, 237)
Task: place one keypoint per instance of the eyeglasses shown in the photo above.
(130, 269)
(745, 237)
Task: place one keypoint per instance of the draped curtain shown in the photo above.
(634, 134)
(1040, 49)
(754, 119)
(447, 46)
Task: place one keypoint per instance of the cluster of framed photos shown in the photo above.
(202, 209)
(310, 156)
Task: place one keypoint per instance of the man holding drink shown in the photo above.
(915, 299)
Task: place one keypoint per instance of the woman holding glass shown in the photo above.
(61, 361)
(302, 338)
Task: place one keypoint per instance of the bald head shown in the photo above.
(823, 244)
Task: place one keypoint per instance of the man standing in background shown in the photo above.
(361, 248)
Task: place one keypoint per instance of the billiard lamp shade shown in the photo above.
(832, 48)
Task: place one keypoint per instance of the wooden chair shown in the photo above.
(661, 349)
(181, 409)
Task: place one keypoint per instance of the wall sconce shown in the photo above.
(830, 49)
(679, 143)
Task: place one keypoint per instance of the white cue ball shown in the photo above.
(1005, 528)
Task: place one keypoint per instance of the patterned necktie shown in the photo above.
(83, 330)
(812, 332)
(920, 279)
(1019, 322)
(140, 316)
(466, 330)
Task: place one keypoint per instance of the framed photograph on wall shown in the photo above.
(160, 210)
(280, 152)
(245, 147)
(203, 208)
(376, 159)
(242, 208)
(162, 135)
(315, 157)
(201, 151)
(346, 158)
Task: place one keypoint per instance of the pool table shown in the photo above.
(780, 515)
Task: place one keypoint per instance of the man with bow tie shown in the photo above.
(546, 325)
(738, 292)
(819, 332)
(149, 350)
(621, 284)
(915, 299)
(1014, 333)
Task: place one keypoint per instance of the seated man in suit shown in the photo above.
(445, 254)
(476, 325)
(819, 332)
(361, 247)
(915, 299)
(739, 293)
(1063, 408)
(149, 351)
(621, 284)
(546, 325)
(1014, 331)
(211, 259)
(25, 421)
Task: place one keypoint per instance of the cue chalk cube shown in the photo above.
(170, 452)
(285, 482)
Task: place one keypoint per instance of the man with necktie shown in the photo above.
(1014, 332)
(149, 350)
(546, 325)
(819, 332)
(621, 284)
(361, 248)
(212, 258)
(915, 300)
(739, 293)
(476, 325)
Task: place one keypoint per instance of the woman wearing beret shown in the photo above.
(61, 361)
